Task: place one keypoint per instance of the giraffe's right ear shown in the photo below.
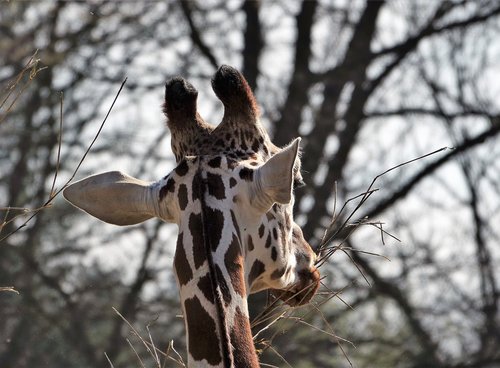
(117, 198)
(274, 180)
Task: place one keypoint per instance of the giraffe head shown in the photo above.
(231, 195)
(262, 177)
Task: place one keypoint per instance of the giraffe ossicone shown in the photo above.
(231, 195)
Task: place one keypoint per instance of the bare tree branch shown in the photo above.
(196, 38)
(286, 128)
(253, 42)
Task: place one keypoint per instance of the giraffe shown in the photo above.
(231, 195)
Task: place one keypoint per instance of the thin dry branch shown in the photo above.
(276, 312)
(150, 346)
(9, 288)
(59, 143)
(52, 194)
(32, 66)
(109, 360)
(332, 230)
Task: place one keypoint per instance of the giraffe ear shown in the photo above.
(116, 198)
(274, 180)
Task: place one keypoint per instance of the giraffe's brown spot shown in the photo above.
(233, 260)
(246, 174)
(216, 186)
(261, 230)
(241, 337)
(202, 333)
(215, 162)
(281, 228)
(274, 254)
(278, 273)
(270, 216)
(182, 168)
(222, 284)
(183, 196)
(215, 220)
(231, 164)
(195, 228)
(181, 264)
(275, 233)
(235, 224)
(232, 182)
(255, 145)
(268, 241)
(197, 187)
(205, 285)
(250, 243)
(257, 269)
(169, 187)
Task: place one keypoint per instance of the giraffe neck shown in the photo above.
(221, 279)
(214, 278)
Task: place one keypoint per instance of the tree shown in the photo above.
(368, 85)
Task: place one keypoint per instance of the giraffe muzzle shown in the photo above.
(303, 291)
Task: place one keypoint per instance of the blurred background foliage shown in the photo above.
(367, 84)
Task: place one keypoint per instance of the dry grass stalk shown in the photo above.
(151, 348)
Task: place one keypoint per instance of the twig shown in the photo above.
(9, 288)
(59, 143)
(136, 353)
(54, 195)
(11, 87)
(157, 359)
(150, 347)
(364, 197)
(109, 360)
(280, 356)
(268, 325)
(33, 65)
(337, 338)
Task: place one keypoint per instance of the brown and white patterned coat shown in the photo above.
(231, 196)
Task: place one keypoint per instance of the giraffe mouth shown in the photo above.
(301, 293)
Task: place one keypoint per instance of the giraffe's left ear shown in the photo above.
(274, 180)
(116, 198)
